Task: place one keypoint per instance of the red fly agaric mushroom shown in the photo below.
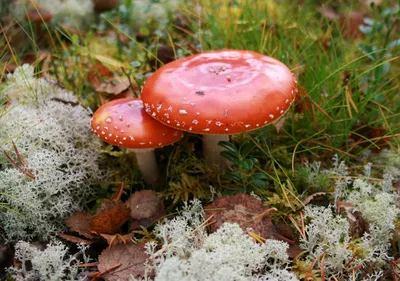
(124, 123)
(219, 93)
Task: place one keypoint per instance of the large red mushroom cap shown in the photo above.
(124, 122)
(219, 92)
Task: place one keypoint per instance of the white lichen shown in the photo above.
(55, 141)
(189, 253)
(52, 263)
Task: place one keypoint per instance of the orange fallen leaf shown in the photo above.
(80, 223)
(103, 80)
(116, 239)
(110, 217)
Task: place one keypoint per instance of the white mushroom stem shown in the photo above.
(211, 149)
(147, 163)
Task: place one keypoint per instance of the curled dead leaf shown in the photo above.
(131, 258)
(80, 223)
(242, 209)
(103, 80)
(165, 54)
(143, 204)
(116, 239)
(110, 217)
(302, 102)
(75, 239)
(358, 225)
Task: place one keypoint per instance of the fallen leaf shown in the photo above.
(310, 198)
(285, 230)
(279, 123)
(115, 86)
(302, 102)
(358, 225)
(110, 217)
(130, 256)
(294, 250)
(6, 257)
(35, 58)
(363, 133)
(350, 24)
(242, 209)
(110, 87)
(146, 222)
(143, 204)
(97, 74)
(75, 239)
(116, 239)
(80, 223)
(165, 54)
(10, 67)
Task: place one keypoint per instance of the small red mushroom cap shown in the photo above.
(124, 122)
(219, 92)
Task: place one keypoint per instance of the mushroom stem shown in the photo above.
(211, 149)
(147, 163)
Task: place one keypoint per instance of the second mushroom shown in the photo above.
(124, 123)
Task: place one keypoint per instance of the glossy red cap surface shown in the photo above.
(219, 92)
(124, 122)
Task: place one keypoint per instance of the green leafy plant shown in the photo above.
(243, 172)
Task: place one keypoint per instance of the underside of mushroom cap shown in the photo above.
(124, 123)
(220, 92)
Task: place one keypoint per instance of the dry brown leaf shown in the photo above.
(130, 256)
(143, 204)
(97, 74)
(242, 209)
(302, 102)
(358, 225)
(146, 222)
(110, 217)
(165, 54)
(366, 132)
(115, 86)
(6, 257)
(294, 250)
(75, 239)
(310, 198)
(116, 239)
(351, 23)
(80, 223)
(110, 87)
(279, 123)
